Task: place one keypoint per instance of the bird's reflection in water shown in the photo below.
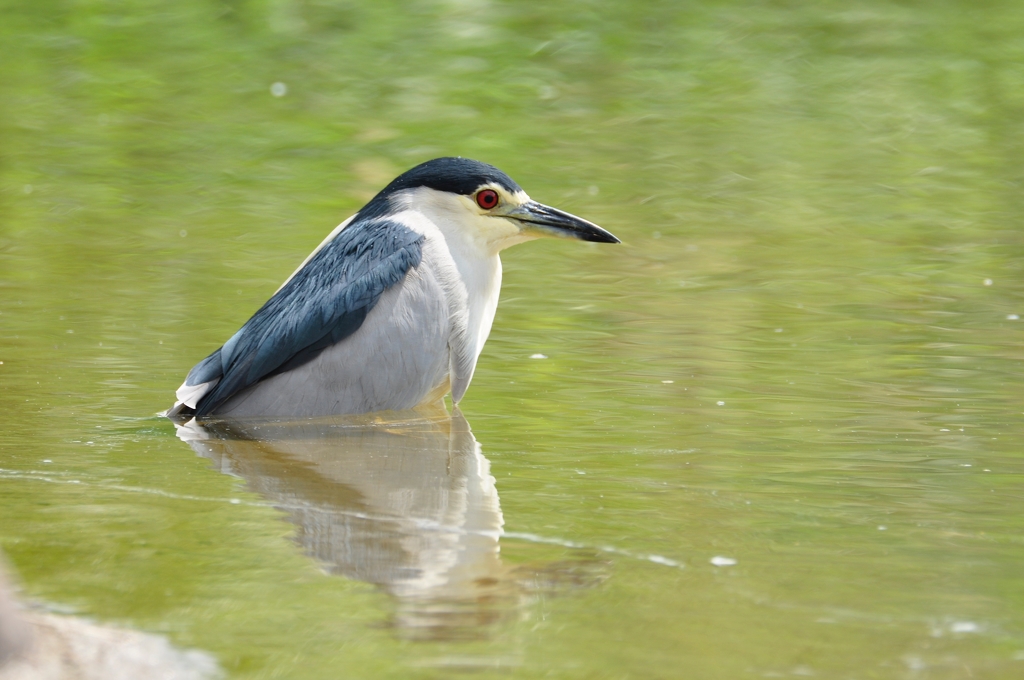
(409, 505)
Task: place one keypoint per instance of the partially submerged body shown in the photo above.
(391, 311)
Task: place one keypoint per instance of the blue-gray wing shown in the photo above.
(322, 304)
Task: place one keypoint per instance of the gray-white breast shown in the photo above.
(391, 311)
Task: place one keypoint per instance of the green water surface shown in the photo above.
(804, 363)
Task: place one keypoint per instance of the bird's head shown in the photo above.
(481, 203)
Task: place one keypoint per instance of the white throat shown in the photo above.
(473, 242)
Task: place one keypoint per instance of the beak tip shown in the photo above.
(599, 235)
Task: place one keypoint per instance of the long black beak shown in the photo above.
(558, 223)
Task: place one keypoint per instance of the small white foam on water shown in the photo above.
(50, 478)
(956, 628)
(535, 538)
(914, 663)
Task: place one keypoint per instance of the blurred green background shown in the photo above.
(820, 207)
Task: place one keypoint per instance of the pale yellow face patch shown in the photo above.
(462, 220)
(492, 225)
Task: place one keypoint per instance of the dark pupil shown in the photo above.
(487, 199)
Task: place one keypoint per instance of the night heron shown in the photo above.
(391, 311)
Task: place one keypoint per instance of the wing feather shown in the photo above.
(324, 302)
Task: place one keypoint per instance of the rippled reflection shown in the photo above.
(409, 505)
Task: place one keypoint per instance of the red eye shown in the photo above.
(487, 199)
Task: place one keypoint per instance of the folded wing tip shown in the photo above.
(188, 397)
